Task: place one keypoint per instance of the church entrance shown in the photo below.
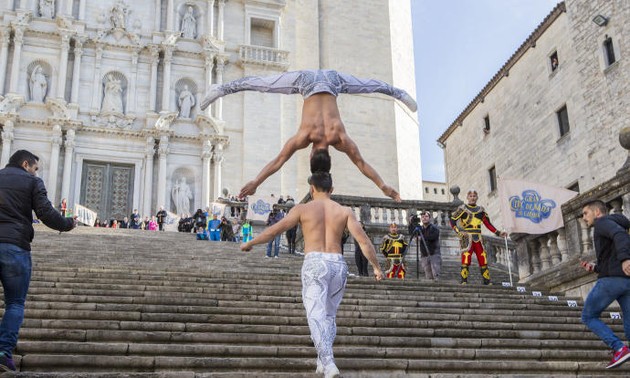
(107, 188)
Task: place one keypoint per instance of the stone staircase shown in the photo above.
(127, 303)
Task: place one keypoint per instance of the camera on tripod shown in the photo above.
(414, 226)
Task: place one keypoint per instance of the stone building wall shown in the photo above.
(521, 101)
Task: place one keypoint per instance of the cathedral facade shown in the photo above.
(107, 94)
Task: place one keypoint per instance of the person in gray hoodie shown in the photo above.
(612, 249)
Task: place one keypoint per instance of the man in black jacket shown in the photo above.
(612, 248)
(429, 239)
(21, 193)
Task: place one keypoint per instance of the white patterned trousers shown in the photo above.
(310, 82)
(323, 284)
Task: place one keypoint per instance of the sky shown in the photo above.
(459, 46)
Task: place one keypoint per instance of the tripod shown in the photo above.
(417, 233)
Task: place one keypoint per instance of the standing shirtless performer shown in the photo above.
(324, 270)
(321, 123)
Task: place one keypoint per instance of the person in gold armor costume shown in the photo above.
(470, 218)
(394, 248)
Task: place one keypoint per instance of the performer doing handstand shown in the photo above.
(321, 123)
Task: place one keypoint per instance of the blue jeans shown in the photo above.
(15, 274)
(277, 246)
(605, 291)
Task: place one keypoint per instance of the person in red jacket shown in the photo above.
(470, 217)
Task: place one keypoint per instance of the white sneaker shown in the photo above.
(406, 99)
(214, 92)
(331, 371)
(275, 257)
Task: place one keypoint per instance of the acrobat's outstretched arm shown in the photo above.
(296, 142)
(350, 148)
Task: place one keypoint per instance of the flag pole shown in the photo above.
(507, 252)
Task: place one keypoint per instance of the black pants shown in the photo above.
(161, 226)
(361, 260)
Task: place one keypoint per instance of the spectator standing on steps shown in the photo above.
(612, 249)
(161, 218)
(21, 193)
(430, 259)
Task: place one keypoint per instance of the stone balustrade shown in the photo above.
(264, 55)
(551, 261)
(378, 213)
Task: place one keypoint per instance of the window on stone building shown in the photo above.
(426, 189)
(486, 124)
(443, 192)
(575, 187)
(492, 175)
(609, 50)
(553, 61)
(434, 190)
(563, 121)
(262, 32)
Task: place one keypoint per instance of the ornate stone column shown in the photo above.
(206, 158)
(534, 254)
(67, 8)
(67, 164)
(585, 239)
(76, 70)
(210, 18)
(217, 161)
(149, 152)
(562, 244)
(556, 257)
(155, 57)
(220, 69)
(169, 17)
(53, 171)
(131, 107)
(166, 84)
(220, 21)
(545, 256)
(7, 138)
(97, 88)
(18, 39)
(163, 151)
(209, 66)
(5, 34)
(63, 65)
(82, 9)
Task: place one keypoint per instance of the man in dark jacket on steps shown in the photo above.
(21, 193)
(612, 248)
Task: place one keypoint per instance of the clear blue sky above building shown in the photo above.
(459, 45)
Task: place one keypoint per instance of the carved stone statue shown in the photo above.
(47, 8)
(118, 16)
(189, 24)
(181, 196)
(112, 100)
(38, 84)
(185, 101)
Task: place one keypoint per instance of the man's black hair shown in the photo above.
(597, 204)
(21, 156)
(322, 181)
(320, 161)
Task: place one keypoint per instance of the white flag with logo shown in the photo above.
(84, 215)
(531, 208)
(259, 207)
